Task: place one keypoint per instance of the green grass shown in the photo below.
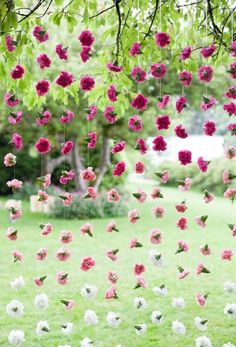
(216, 234)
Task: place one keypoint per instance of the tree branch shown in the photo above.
(118, 36)
(39, 4)
(152, 20)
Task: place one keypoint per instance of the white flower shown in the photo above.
(42, 328)
(203, 341)
(156, 258)
(178, 303)
(156, 317)
(229, 287)
(88, 291)
(200, 324)
(15, 308)
(16, 337)
(140, 329)
(230, 310)
(18, 283)
(113, 319)
(86, 342)
(162, 290)
(67, 328)
(140, 303)
(229, 344)
(178, 328)
(90, 317)
(41, 301)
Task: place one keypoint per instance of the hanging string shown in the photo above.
(206, 28)
(88, 160)
(138, 87)
(232, 25)
(160, 80)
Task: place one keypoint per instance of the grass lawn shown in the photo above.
(220, 328)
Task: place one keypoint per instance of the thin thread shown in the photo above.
(88, 160)
(206, 27)
(232, 24)
(138, 89)
(160, 81)
(64, 209)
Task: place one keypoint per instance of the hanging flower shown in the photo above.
(17, 256)
(9, 160)
(87, 229)
(163, 101)
(17, 283)
(112, 277)
(113, 195)
(112, 93)
(43, 118)
(15, 184)
(203, 164)
(185, 157)
(158, 211)
(140, 196)
(164, 177)
(180, 131)
(205, 250)
(67, 199)
(88, 174)
(201, 221)
(61, 52)
(111, 294)
(141, 146)
(134, 243)
(140, 282)
(15, 117)
(185, 185)
(227, 254)
(183, 273)
(119, 168)
(231, 92)
(63, 254)
(42, 87)
(230, 108)
(207, 103)
(16, 140)
(202, 269)
(162, 39)
(158, 70)
(66, 177)
(135, 49)
(111, 226)
(185, 53)
(182, 223)
(178, 328)
(85, 53)
(133, 216)
(163, 122)
(208, 197)
(67, 147)
(209, 128)
(135, 123)
(138, 74)
(15, 213)
(42, 254)
(109, 114)
(46, 229)
(43, 145)
(181, 208)
(140, 329)
(118, 147)
(155, 236)
(40, 34)
(205, 73)
(10, 43)
(66, 236)
(202, 299)
(87, 83)
(68, 304)
(62, 278)
(185, 78)
(180, 104)
(44, 61)
(87, 263)
(113, 319)
(65, 79)
(207, 52)
(66, 117)
(139, 167)
(156, 193)
(139, 102)
(86, 38)
(11, 100)
(182, 247)
(17, 72)
(11, 233)
(114, 68)
(159, 144)
(230, 152)
(112, 254)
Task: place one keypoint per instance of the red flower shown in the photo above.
(230, 108)
(119, 168)
(86, 38)
(209, 128)
(42, 87)
(163, 122)
(180, 131)
(139, 102)
(159, 144)
(17, 72)
(43, 145)
(65, 79)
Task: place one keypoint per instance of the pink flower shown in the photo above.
(17, 255)
(119, 168)
(155, 236)
(162, 39)
(164, 176)
(232, 128)
(182, 273)
(134, 243)
(87, 263)
(91, 193)
(112, 277)
(109, 114)
(40, 34)
(141, 195)
(208, 197)
(181, 208)
(185, 185)
(15, 213)
(135, 49)
(17, 72)
(231, 92)
(91, 139)
(139, 269)
(205, 250)
(230, 108)
(230, 152)
(68, 304)
(233, 229)
(43, 118)
(42, 196)
(139, 167)
(138, 74)
(227, 177)
(112, 254)
(180, 104)
(232, 70)
(207, 103)
(111, 226)
(159, 144)
(113, 196)
(92, 112)
(66, 177)
(46, 180)
(15, 184)
(209, 128)
(180, 131)
(65, 79)
(85, 53)
(87, 83)
(182, 223)
(67, 199)
(10, 43)
(141, 283)
(43, 145)
(66, 117)
(67, 148)
(88, 174)
(205, 73)
(158, 70)
(227, 254)
(63, 254)
(139, 102)
(133, 216)
(11, 233)
(44, 61)
(86, 38)
(11, 100)
(62, 278)
(233, 48)
(185, 78)
(185, 53)
(61, 52)
(15, 117)
(163, 122)
(201, 221)
(207, 52)
(156, 193)
(158, 211)
(41, 254)
(16, 140)
(202, 269)
(112, 93)
(46, 229)
(9, 159)
(111, 294)
(185, 157)
(182, 247)
(39, 281)
(42, 87)
(87, 229)
(135, 123)
(114, 68)
(163, 101)
(118, 147)
(230, 193)
(203, 164)
(141, 146)
(66, 236)
(201, 299)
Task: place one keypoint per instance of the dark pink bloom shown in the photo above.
(42, 87)
(17, 72)
(232, 128)
(139, 269)
(44, 61)
(43, 118)
(162, 39)
(163, 101)
(86, 38)
(112, 93)
(139, 167)
(15, 117)
(207, 103)
(40, 34)
(230, 108)
(233, 48)
(119, 168)
(66, 177)
(87, 263)
(185, 53)
(135, 49)
(65, 79)
(185, 157)
(232, 70)
(10, 43)
(158, 70)
(205, 73)
(159, 143)
(16, 140)
(180, 104)
(141, 146)
(85, 53)
(163, 122)
(138, 74)
(87, 83)
(109, 114)
(202, 164)
(118, 147)
(114, 68)
(61, 52)
(139, 102)
(43, 145)
(66, 117)
(209, 128)
(231, 92)
(135, 123)
(207, 52)
(181, 208)
(180, 131)
(92, 111)
(185, 78)
(11, 100)
(67, 147)
(92, 140)
(182, 223)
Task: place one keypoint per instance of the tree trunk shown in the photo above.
(105, 161)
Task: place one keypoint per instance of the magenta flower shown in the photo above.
(209, 128)
(158, 70)
(16, 140)
(10, 43)
(207, 52)
(233, 48)
(232, 70)
(207, 103)
(17, 72)
(15, 117)
(163, 122)
(66, 117)
(85, 53)
(61, 52)
(182, 223)
(162, 39)
(231, 92)
(180, 104)
(92, 111)
(185, 78)
(119, 168)
(230, 108)
(86, 38)
(205, 73)
(180, 131)
(135, 49)
(65, 79)
(11, 100)
(42, 87)
(44, 61)
(185, 53)
(163, 101)
(203, 164)
(118, 147)
(159, 144)
(138, 74)
(43, 145)
(139, 167)
(110, 115)
(43, 118)
(135, 123)
(141, 146)
(87, 83)
(139, 102)
(67, 148)
(114, 68)
(112, 93)
(185, 157)
(40, 34)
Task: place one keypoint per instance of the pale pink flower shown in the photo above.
(156, 193)
(113, 195)
(205, 250)
(202, 269)
(227, 254)
(11, 233)
(66, 236)
(91, 193)
(155, 236)
(182, 247)
(208, 197)
(233, 229)
(201, 221)
(133, 216)
(68, 304)
(9, 159)
(227, 177)
(111, 226)
(230, 193)
(134, 243)
(17, 255)
(46, 228)
(67, 199)
(15, 213)
(43, 196)
(185, 185)
(87, 263)
(62, 278)
(158, 211)
(15, 184)
(39, 281)
(141, 283)
(141, 195)
(201, 299)
(182, 273)
(63, 254)
(112, 254)
(88, 174)
(46, 180)
(111, 294)
(113, 277)
(87, 229)
(42, 253)
(230, 152)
